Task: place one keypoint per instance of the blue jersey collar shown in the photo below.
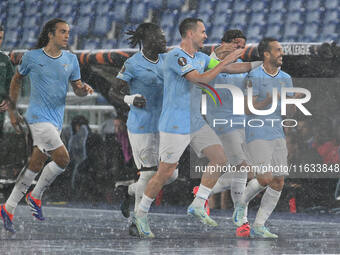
(271, 75)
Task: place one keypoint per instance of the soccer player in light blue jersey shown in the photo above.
(232, 134)
(50, 69)
(266, 143)
(143, 75)
(181, 122)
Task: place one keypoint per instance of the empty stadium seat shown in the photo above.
(331, 4)
(239, 20)
(67, 9)
(103, 8)
(83, 25)
(311, 30)
(257, 18)
(29, 37)
(168, 31)
(13, 22)
(85, 8)
(295, 5)
(274, 30)
(331, 16)
(241, 6)
(69, 18)
(91, 44)
(294, 17)
(329, 29)
(223, 6)
(206, 7)
(313, 5)
(32, 9)
(313, 16)
(279, 5)
(176, 38)
(275, 18)
(221, 19)
(254, 32)
(108, 44)
(49, 9)
(139, 12)
(175, 4)
(120, 11)
(168, 18)
(102, 25)
(12, 37)
(259, 5)
(14, 9)
(216, 33)
(291, 33)
(156, 4)
(31, 22)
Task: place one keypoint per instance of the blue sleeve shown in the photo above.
(75, 75)
(180, 63)
(24, 66)
(127, 72)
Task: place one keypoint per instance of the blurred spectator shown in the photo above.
(107, 128)
(76, 144)
(92, 180)
(326, 143)
(126, 171)
(6, 73)
(106, 162)
(305, 133)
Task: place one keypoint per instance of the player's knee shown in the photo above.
(265, 179)
(173, 177)
(220, 160)
(63, 160)
(277, 183)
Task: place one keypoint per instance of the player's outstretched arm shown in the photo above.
(206, 77)
(120, 91)
(81, 89)
(242, 67)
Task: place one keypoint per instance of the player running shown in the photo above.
(50, 69)
(232, 133)
(266, 144)
(142, 74)
(181, 122)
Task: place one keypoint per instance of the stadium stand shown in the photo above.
(305, 20)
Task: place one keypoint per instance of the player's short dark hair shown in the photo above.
(1, 28)
(264, 46)
(232, 34)
(187, 24)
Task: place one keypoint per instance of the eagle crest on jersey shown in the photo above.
(182, 61)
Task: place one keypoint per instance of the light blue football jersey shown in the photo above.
(49, 79)
(225, 111)
(181, 112)
(263, 83)
(146, 78)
